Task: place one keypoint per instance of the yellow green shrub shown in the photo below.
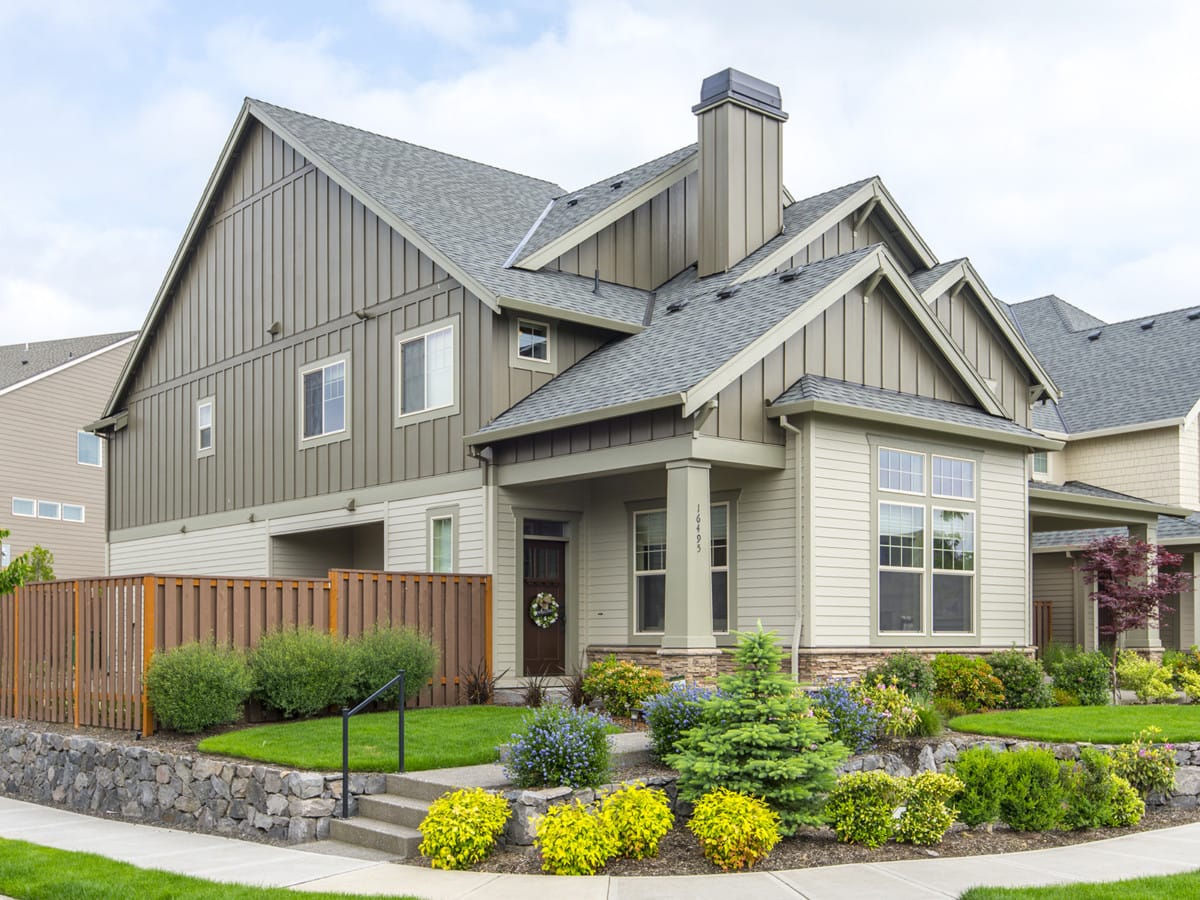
(861, 807)
(574, 840)
(639, 818)
(927, 812)
(462, 827)
(735, 830)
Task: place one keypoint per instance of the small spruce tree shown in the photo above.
(758, 736)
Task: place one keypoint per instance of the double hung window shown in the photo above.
(324, 399)
(427, 371)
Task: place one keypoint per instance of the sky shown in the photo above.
(1055, 143)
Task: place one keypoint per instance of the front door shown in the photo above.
(545, 572)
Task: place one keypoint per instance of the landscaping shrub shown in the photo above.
(927, 814)
(380, 654)
(572, 686)
(1158, 688)
(861, 806)
(735, 830)
(759, 736)
(1133, 671)
(622, 686)
(1096, 797)
(969, 680)
(574, 840)
(1146, 762)
(983, 780)
(479, 684)
(908, 671)
(897, 714)
(929, 723)
(1055, 652)
(1032, 799)
(299, 672)
(948, 708)
(1022, 679)
(533, 692)
(560, 746)
(1064, 698)
(639, 818)
(671, 713)
(198, 685)
(1190, 682)
(1086, 676)
(462, 827)
(851, 721)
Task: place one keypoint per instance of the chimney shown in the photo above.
(741, 167)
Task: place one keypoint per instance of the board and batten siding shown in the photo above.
(285, 244)
(38, 461)
(1054, 582)
(986, 350)
(841, 238)
(620, 431)
(644, 248)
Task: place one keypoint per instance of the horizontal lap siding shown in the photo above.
(233, 550)
(1054, 583)
(766, 548)
(408, 531)
(1003, 549)
(1147, 464)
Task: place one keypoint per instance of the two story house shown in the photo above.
(1127, 418)
(679, 400)
(51, 470)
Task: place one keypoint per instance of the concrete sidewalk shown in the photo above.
(323, 868)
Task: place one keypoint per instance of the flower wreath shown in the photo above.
(543, 610)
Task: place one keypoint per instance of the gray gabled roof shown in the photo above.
(573, 209)
(20, 362)
(799, 215)
(680, 347)
(1127, 375)
(922, 280)
(816, 387)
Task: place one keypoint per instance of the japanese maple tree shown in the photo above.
(1132, 580)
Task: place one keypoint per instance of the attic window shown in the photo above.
(726, 293)
(1094, 335)
(1147, 325)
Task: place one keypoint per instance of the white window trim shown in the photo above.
(434, 518)
(1033, 469)
(99, 449)
(211, 449)
(637, 572)
(82, 513)
(32, 515)
(879, 470)
(324, 437)
(974, 477)
(550, 363)
(973, 571)
(422, 334)
(727, 568)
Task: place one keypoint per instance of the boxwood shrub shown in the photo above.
(197, 686)
(375, 658)
(300, 671)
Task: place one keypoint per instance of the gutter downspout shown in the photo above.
(798, 628)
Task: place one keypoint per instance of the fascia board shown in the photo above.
(846, 410)
(507, 301)
(177, 261)
(385, 215)
(924, 253)
(740, 362)
(568, 421)
(68, 364)
(1102, 503)
(608, 215)
(1126, 429)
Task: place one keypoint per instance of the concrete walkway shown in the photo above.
(322, 867)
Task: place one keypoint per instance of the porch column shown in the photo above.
(1189, 621)
(1144, 638)
(689, 623)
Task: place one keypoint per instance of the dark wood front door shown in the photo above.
(545, 571)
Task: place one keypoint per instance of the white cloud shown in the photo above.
(454, 22)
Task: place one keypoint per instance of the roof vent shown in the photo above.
(726, 293)
(572, 201)
(676, 306)
(616, 185)
(1194, 315)
(1147, 325)
(1095, 335)
(791, 274)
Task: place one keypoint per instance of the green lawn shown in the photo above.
(434, 739)
(1164, 887)
(31, 872)
(1097, 724)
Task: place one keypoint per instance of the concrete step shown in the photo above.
(393, 808)
(398, 840)
(431, 784)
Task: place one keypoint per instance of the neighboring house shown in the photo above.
(1128, 419)
(51, 471)
(677, 399)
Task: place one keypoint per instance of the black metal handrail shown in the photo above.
(346, 714)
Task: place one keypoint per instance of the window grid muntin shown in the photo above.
(433, 363)
(956, 477)
(901, 471)
(533, 340)
(324, 400)
(895, 553)
(1041, 462)
(950, 559)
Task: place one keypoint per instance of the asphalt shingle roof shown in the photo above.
(679, 348)
(922, 280)
(816, 387)
(1169, 529)
(1127, 376)
(574, 208)
(1083, 489)
(19, 362)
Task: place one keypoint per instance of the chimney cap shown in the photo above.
(730, 84)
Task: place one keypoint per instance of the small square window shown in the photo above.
(1041, 463)
(72, 512)
(87, 449)
(23, 507)
(533, 340)
(48, 509)
(204, 427)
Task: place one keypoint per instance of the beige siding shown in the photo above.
(38, 461)
(408, 531)
(1054, 580)
(987, 350)
(236, 550)
(766, 546)
(1003, 550)
(1189, 465)
(644, 248)
(1146, 464)
(287, 245)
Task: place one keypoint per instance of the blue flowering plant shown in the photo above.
(673, 712)
(851, 721)
(560, 746)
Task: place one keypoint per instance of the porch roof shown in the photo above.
(1075, 513)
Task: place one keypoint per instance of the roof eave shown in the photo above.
(482, 438)
(68, 364)
(1083, 500)
(518, 304)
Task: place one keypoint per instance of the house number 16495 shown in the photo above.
(699, 538)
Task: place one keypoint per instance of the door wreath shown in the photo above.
(543, 611)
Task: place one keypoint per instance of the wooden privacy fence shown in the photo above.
(76, 651)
